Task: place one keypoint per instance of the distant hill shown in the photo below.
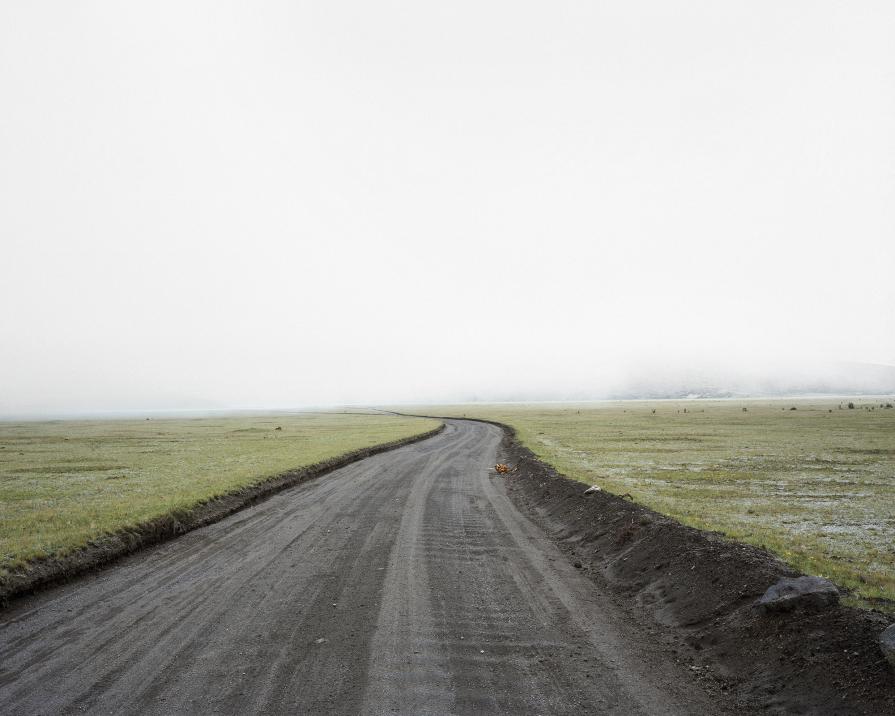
(645, 382)
(819, 379)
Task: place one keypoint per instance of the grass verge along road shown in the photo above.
(815, 485)
(65, 483)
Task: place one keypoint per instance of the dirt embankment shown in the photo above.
(43, 573)
(694, 590)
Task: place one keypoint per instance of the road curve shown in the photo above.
(404, 583)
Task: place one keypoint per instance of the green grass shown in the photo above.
(64, 483)
(815, 487)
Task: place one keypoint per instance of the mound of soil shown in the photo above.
(694, 591)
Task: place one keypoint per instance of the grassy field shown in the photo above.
(816, 485)
(64, 483)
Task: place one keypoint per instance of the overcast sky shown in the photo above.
(278, 204)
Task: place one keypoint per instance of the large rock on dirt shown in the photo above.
(799, 592)
(887, 644)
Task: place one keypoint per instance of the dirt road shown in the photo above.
(404, 583)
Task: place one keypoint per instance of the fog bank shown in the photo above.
(281, 205)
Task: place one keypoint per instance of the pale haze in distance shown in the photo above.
(285, 204)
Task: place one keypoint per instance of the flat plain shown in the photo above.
(809, 479)
(64, 483)
(405, 583)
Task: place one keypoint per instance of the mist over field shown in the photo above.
(762, 380)
(664, 381)
(648, 382)
(220, 206)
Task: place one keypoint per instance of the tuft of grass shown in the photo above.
(65, 483)
(815, 485)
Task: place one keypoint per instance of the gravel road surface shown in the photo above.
(404, 583)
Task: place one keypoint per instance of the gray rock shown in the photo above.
(887, 644)
(799, 592)
(592, 489)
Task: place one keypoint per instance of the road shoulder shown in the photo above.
(692, 592)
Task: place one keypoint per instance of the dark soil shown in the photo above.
(695, 590)
(407, 583)
(42, 573)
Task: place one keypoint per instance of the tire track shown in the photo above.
(404, 583)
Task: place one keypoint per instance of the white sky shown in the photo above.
(277, 204)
